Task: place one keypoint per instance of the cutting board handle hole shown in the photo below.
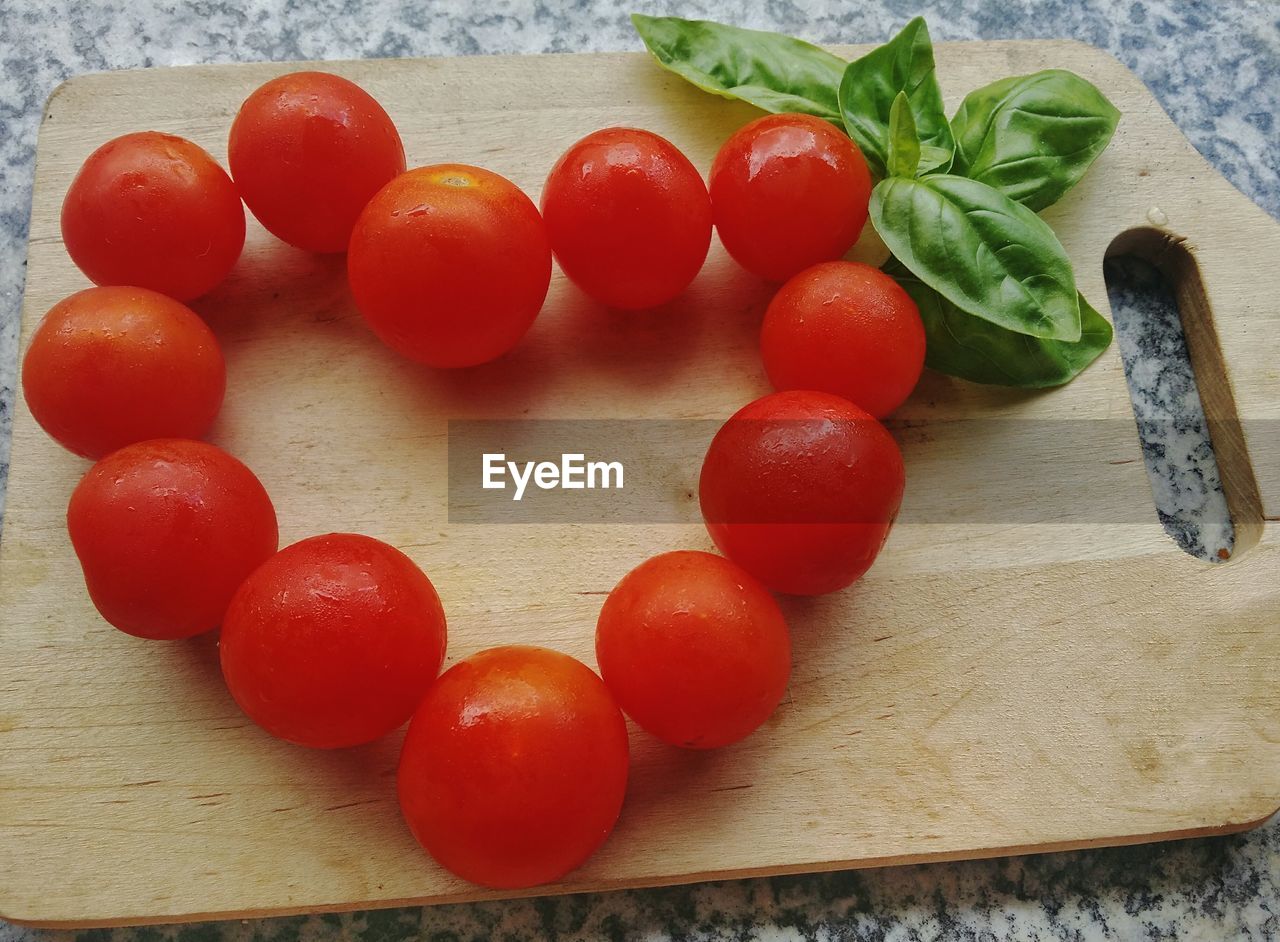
(1205, 489)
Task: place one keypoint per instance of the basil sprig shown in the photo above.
(957, 200)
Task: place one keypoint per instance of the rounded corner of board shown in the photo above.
(61, 91)
(1256, 818)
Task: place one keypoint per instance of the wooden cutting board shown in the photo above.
(1059, 676)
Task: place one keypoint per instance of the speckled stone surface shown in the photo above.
(1214, 66)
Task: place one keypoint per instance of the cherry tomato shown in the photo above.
(788, 191)
(333, 641)
(694, 649)
(153, 211)
(166, 531)
(108, 367)
(848, 329)
(515, 766)
(450, 264)
(308, 150)
(800, 488)
(628, 216)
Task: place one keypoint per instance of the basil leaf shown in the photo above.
(934, 159)
(870, 85)
(1032, 136)
(970, 348)
(983, 252)
(904, 141)
(769, 70)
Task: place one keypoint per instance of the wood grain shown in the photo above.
(987, 689)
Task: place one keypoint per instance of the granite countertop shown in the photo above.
(1214, 66)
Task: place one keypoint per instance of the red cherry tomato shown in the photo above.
(450, 265)
(694, 649)
(166, 531)
(514, 768)
(800, 488)
(788, 191)
(848, 329)
(154, 211)
(108, 367)
(333, 641)
(628, 216)
(308, 150)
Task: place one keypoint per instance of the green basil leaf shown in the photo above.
(934, 159)
(1032, 136)
(769, 70)
(904, 141)
(983, 252)
(970, 348)
(870, 85)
